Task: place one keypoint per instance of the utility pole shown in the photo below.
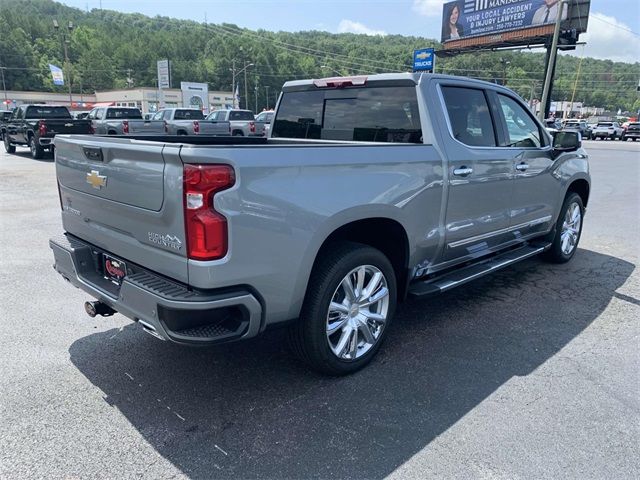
(504, 63)
(266, 87)
(246, 89)
(551, 65)
(4, 87)
(256, 92)
(65, 45)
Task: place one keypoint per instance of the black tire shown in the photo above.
(556, 254)
(238, 133)
(37, 152)
(112, 132)
(633, 139)
(7, 145)
(308, 336)
(182, 132)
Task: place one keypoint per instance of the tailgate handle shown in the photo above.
(93, 153)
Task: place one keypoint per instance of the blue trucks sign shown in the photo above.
(424, 60)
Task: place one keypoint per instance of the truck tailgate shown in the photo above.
(125, 196)
(142, 127)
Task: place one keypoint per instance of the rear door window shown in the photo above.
(373, 114)
(469, 116)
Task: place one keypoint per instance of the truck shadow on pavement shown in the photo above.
(249, 410)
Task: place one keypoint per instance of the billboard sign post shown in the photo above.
(424, 60)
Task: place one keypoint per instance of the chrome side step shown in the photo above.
(466, 274)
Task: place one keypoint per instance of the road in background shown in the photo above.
(529, 373)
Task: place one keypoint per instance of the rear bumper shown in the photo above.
(45, 141)
(631, 134)
(166, 309)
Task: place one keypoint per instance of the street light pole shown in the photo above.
(266, 87)
(234, 76)
(65, 45)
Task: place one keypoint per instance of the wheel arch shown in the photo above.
(582, 187)
(393, 243)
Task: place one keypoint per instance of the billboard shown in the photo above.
(467, 23)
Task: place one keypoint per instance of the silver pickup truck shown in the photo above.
(123, 121)
(369, 190)
(243, 122)
(190, 121)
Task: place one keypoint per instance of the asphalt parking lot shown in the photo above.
(530, 373)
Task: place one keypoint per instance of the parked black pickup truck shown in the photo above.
(4, 117)
(36, 125)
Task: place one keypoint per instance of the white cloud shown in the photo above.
(608, 39)
(349, 26)
(428, 8)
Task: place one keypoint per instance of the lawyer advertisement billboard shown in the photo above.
(503, 20)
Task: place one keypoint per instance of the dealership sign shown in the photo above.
(164, 74)
(423, 60)
(473, 18)
(56, 75)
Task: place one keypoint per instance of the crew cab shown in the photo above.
(369, 191)
(190, 121)
(243, 122)
(607, 130)
(35, 126)
(123, 121)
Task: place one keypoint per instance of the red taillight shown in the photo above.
(206, 229)
(166, 127)
(196, 127)
(91, 129)
(42, 128)
(125, 126)
(252, 127)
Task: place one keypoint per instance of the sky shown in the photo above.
(613, 32)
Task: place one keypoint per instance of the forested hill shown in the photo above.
(109, 48)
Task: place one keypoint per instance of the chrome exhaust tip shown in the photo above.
(98, 308)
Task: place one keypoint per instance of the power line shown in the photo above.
(619, 27)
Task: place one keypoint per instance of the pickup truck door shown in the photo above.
(480, 175)
(535, 190)
(16, 126)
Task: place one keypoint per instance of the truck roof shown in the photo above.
(387, 78)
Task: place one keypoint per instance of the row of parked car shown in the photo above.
(35, 126)
(600, 130)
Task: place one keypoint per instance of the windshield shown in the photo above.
(47, 112)
(188, 115)
(605, 124)
(241, 115)
(129, 113)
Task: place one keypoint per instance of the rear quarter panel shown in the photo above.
(288, 199)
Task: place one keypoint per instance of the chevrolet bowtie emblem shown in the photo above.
(96, 180)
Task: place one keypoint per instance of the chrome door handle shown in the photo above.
(522, 167)
(463, 171)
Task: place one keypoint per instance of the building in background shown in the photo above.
(148, 99)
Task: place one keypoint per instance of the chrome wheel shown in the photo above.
(571, 229)
(358, 312)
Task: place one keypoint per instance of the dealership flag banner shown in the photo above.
(471, 18)
(57, 75)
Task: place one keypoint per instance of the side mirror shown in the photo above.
(567, 141)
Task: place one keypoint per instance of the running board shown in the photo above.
(476, 270)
